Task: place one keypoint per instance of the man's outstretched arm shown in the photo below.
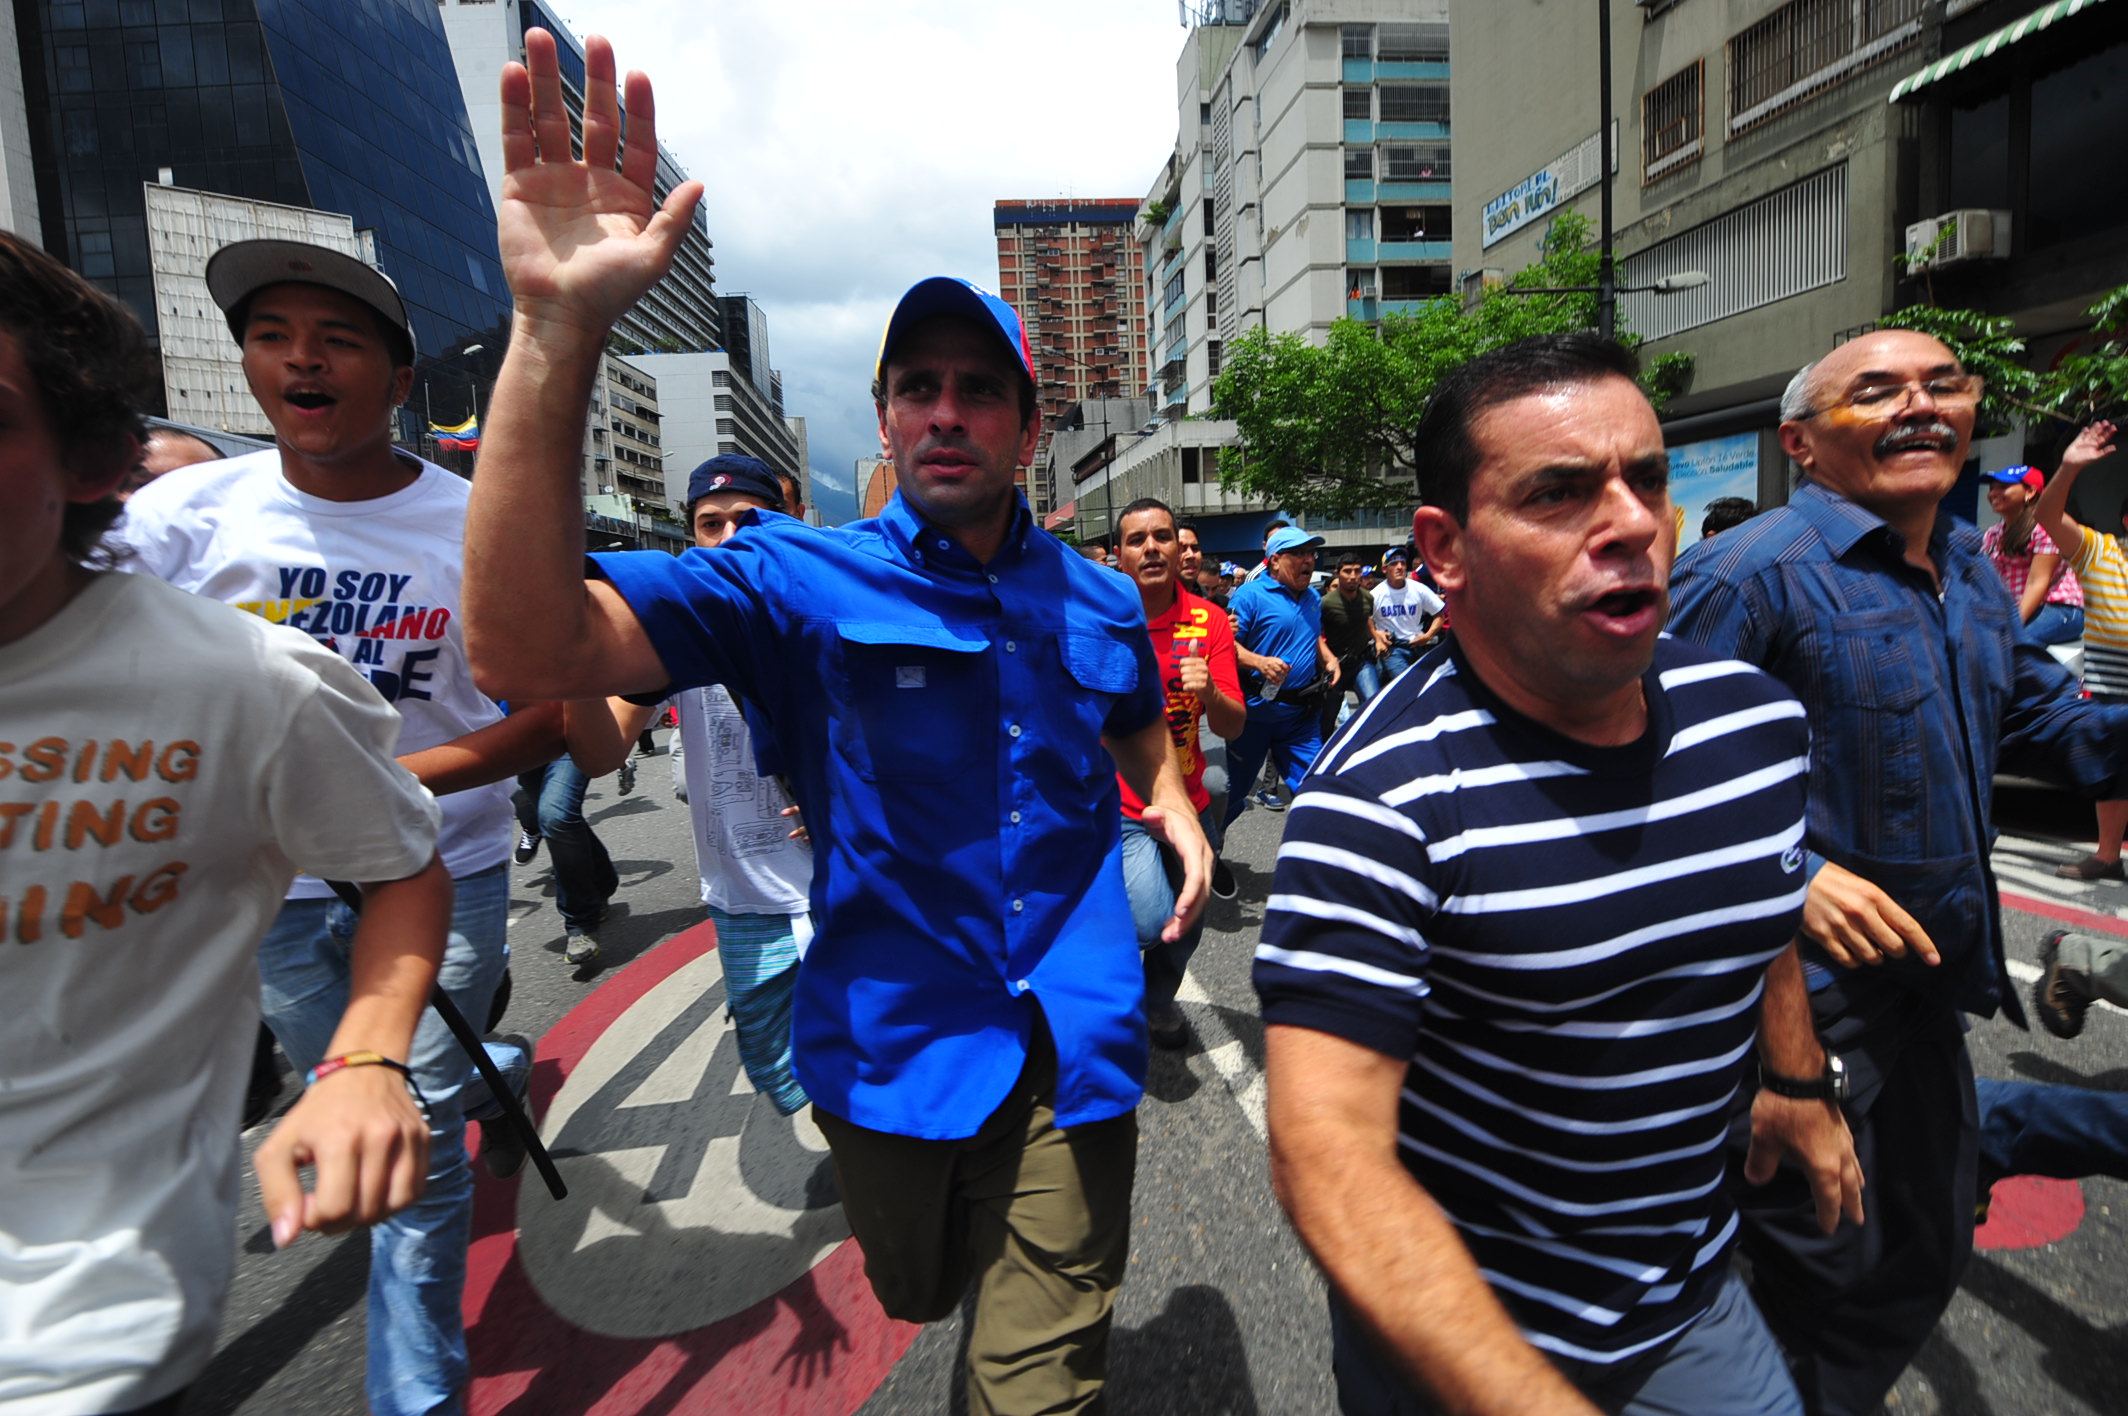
(582, 240)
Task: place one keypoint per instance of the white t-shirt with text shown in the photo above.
(748, 862)
(165, 767)
(376, 581)
(1401, 613)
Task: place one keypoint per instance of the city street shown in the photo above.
(698, 1267)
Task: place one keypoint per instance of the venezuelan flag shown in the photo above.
(464, 436)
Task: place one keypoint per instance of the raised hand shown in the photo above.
(2093, 443)
(582, 239)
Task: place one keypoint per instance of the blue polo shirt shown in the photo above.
(940, 721)
(1278, 623)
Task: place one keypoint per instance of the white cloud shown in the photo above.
(851, 149)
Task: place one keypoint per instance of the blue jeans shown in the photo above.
(417, 1356)
(2065, 1133)
(2054, 624)
(1151, 876)
(1725, 1364)
(550, 804)
(1289, 735)
(1399, 658)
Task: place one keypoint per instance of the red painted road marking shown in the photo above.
(2065, 914)
(819, 1347)
(2029, 1212)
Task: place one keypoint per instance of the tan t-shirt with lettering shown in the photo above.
(166, 765)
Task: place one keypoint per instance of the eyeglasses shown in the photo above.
(1952, 390)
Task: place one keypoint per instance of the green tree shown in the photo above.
(1327, 430)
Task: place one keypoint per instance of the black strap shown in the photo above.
(512, 1108)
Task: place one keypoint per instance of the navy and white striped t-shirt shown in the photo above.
(1569, 943)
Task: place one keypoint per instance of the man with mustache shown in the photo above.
(952, 693)
(1526, 906)
(1876, 608)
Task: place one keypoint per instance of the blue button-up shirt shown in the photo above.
(1278, 622)
(1915, 698)
(940, 722)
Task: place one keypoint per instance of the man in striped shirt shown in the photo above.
(1521, 927)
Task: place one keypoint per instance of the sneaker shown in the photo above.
(581, 947)
(627, 774)
(2091, 868)
(1224, 886)
(527, 847)
(1164, 1022)
(1271, 801)
(502, 1149)
(2058, 998)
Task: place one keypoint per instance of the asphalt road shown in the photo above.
(1222, 1312)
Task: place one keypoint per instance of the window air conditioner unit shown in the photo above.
(1975, 234)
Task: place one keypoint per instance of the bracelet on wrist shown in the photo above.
(365, 1059)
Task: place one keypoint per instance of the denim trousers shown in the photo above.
(1151, 876)
(1725, 1364)
(550, 804)
(1399, 658)
(1286, 733)
(417, 1355)
(2054, 624)
(2066, 1133)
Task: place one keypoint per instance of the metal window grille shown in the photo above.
(1672, 121)
(1359, 103)
(1415, 103)
(1423, 43)
(1783, 244)
(1415, 162)
(1356, 41)
(1359, 164)
(1809, 45)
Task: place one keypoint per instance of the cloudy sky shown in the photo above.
(851, 149)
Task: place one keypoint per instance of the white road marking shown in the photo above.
(1225, 1052)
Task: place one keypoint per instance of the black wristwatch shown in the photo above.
(1830, 1087)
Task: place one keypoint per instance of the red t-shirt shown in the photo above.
(1192, 625)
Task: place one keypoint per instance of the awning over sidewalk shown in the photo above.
(1990, 45)
(1060, 516)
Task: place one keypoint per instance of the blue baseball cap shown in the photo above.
(950, 295)
(735, 474)
(1290, 538)
(2011, 476)
(1396, 553)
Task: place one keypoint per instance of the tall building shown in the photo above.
(875, 485)
(713, 405)
(1794, 151)
(18, 176)
(1309, 182)
(302, 103)
(1075, 272)
(680, 312)
(805, 468)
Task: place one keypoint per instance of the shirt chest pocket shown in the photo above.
(919, 702)
(1098, 670)
(1878, 660)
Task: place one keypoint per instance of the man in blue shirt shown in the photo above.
(1877, 610)
(1278, 636)
(942, 683)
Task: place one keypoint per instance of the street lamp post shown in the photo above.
(1606, 279)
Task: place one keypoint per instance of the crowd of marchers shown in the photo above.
(1629, 916)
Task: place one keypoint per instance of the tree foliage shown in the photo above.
(2090, 383)
(1327, 430)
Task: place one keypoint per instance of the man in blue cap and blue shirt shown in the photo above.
(1278, 636)
(948, 685)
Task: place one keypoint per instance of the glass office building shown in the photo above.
(348, 106)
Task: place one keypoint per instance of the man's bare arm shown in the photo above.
(1393, 1257)
(1813, 1135)
(601, 731)
(581, 243)
(1146, 759)
(530, 737)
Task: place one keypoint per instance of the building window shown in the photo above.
(1211, 264)
(1210, 217)
(1810, 45)
(1204, 113)
(723, 402)
(1414, 282)
(1415, 162)
(1359, 164)
(1779, 246)
(1425, 43)
(725, 427)
(1671, 121)
(1359, 284)
(1359, 224)
(1414, 103)
(1359, 104)
(1356, 41)
(1418, 223)
(1192, 460)
(1172, 292)
(1211, 355)
(719, 379)
(1270, 33)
